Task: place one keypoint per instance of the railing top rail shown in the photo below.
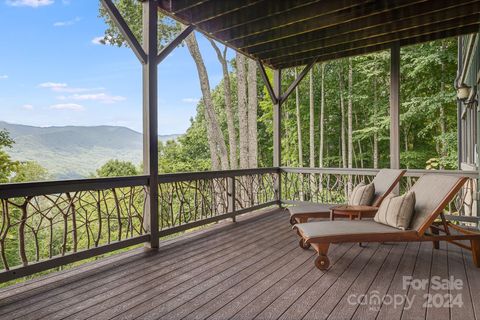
(363, 171)
(331, 170)
(12, 190)
(189, 176)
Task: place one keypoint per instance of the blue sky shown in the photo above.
(54, 73)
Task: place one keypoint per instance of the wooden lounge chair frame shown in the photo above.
(325, 212)
(321, 244)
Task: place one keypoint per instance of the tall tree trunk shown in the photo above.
(349, 116)
(360, 150)
(299, 124)
(322, 119)
(227, 89)
(375, 132)
(216, 141)
(242, 109)
(443, 125)
(286, 141)
(312, 122)
(252, 114)
(342, 111)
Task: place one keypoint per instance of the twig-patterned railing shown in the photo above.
(192, 199)
(48, 224)
(327, 185)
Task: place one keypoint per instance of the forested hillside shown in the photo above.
(346, 124)
(337, 117)
(73, 151)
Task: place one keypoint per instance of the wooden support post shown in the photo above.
(395, 106)
(277, 130)
(150, 118)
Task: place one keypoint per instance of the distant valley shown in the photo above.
(74, 151)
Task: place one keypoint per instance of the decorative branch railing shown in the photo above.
(333, 186)
(193, 199)
(40, 221)
(48, 224)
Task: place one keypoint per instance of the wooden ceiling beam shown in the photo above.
(448, 19)
(261, 11)
(275, 30)
(388, 38)
(180, 5)
(289, 15)
(211, 10)
(416, 15)
(384, 46)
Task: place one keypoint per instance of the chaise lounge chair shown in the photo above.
(384, 182)
(432, 194)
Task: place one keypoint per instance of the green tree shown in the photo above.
(7, 165)
(30, 171)
(117, 168)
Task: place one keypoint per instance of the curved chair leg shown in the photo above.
(475, 252)
(304, 245)
(436, 244)
(293, 220)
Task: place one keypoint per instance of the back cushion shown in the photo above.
(396, 211)
(430, 190)
(362, 195)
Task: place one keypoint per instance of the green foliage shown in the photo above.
(7, 165)
(131, 10)
(30, 171)
(117, 168)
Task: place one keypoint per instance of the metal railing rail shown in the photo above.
(224, 194)
(59, 196)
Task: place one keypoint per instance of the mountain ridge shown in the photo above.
(75, 151)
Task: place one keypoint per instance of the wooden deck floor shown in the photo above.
(253, 269)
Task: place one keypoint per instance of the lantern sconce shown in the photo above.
(463, 92)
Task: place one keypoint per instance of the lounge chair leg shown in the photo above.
(293, 221)
(436, 244)
(476, 252)
(321, 262)
(304, 245)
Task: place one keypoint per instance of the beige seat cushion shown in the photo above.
(362, 195)
(311, 208)
(396, 211)
(340, 229)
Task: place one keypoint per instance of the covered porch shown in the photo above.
(251, 267)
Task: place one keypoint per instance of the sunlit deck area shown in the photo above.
(252, 269)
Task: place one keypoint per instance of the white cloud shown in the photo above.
(190, 100)
(63, 87)
(3, 76)
(100, 97)
(66, 23)
(29, 3)
(67, 106)
(53, 85)
(27, 107)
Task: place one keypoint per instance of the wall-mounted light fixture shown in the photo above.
(463, 92)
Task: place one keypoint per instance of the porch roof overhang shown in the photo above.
(289, 33)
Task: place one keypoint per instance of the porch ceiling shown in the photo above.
(290, 33)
